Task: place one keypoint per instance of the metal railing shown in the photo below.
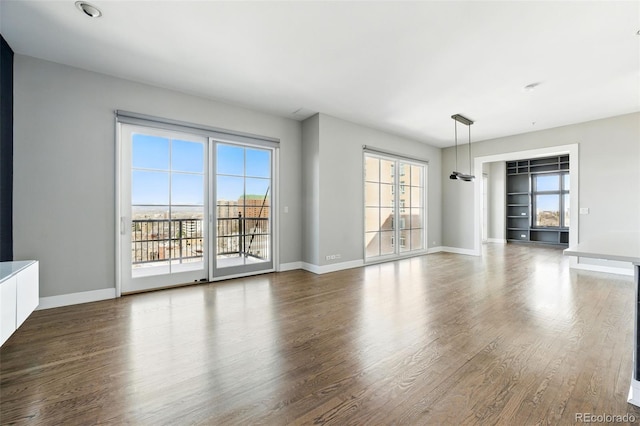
(162, 240)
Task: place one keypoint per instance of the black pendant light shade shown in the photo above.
(458, 175)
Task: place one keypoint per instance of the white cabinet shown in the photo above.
(19, 295)
(7, 308)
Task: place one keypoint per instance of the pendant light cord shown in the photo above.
(469, 126)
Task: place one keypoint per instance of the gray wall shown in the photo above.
(340, 171)
(311, 189)
(609, 180)
(64, 167)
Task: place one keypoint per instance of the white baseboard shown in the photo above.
(456, 250)
(316, 269)
(290, 266)
(432, 250)
(76, 298)
(497, 240)
(600, 268)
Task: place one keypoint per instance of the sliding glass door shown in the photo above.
(192, 207)
(243, 214)
(394, 207)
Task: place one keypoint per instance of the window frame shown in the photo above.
(560, 193)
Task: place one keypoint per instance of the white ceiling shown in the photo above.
(403, 67)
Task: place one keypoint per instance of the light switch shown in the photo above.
(584, 210)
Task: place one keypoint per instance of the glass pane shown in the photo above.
(187, 224)
(258, 163)
(416, 175)
(187, 156)
(150, 240)
(371, 169)
(230, 160)
(417, 239)
(371, 195)
(566, 182)
(405, 241)
(405, 221)
(386, 219)
(416, 196)
(404, 171)
(546, 182)
(372, 219)
(229, 188)
(257, 189)
(417, 218)
(372, 243)
(187, 189)
(386, 171)
(149, 152)
(567, 220)
(386, 195)
(386, 243)
(149, 187)
(547, 210)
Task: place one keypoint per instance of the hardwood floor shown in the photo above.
(513, 338)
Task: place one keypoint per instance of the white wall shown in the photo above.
(340, 162)
(609, 179)
(64, 167)
(497, 200)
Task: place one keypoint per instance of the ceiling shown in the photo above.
(402, 67)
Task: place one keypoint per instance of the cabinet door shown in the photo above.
(7, 308)
(27, 293)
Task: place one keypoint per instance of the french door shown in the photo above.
(191, 208)
(394, 207)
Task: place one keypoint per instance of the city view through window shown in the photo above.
(169, 195)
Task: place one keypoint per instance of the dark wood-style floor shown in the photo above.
(514, 338)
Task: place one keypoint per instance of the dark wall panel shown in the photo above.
(6, 151)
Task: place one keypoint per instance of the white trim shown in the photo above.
(497, 240)
(456, 250)
(316, 269)
(76, 298)
(600, 268)
(432, 250)
(241, 275)
(292, 266)
(634, 393)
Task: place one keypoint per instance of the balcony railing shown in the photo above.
(181, 240)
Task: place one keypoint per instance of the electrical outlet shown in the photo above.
(332, 256)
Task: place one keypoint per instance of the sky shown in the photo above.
(549, 182)
(171, 169)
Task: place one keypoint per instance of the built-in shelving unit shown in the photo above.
(519, 208)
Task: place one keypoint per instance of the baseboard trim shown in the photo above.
(456, 250)
(324, 269)
(290, 266)
(497, 240)
(606, 269)
(432, 250)
(76, 298)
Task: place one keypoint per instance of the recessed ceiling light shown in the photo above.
(531, 87)
(88, 9)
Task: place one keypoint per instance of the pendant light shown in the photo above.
(458, 175)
